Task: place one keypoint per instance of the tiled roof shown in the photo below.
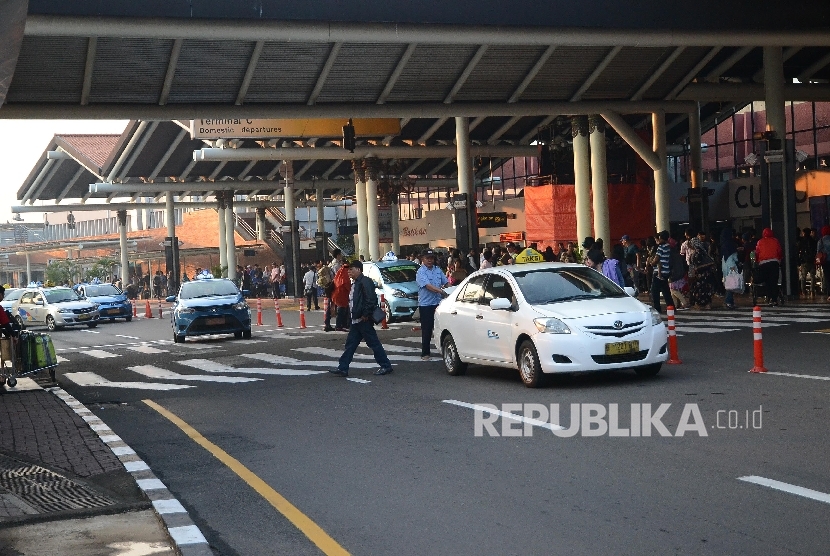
(94, 147)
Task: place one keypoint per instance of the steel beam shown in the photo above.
(596, 73)
(18, 209)
(167, 154)
(727, 64)
(137, 151)
(658, 72)
(69, 185)
(89, 67)
(249, 73)
(746, 92)
(147, 112)
(406, 33)
(814, 68)
(630, 136)
(693, 72)
(171, 71)
(336, 153)
(396, 73)
(324, 74)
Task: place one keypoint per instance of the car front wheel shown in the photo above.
(92, 324)
(451, 360)
(246, 334)
(50, 323)
(178, 339)
(529, 367)
(648, 370)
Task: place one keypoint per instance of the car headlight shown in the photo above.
(551, 326)
(95, 306)
(655, 317)
(186, 310)
(241, 306)
(65, 311)
(398, 293)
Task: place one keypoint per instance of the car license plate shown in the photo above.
(215, 321)
(622, 348)
(84, 317)
(113, 311)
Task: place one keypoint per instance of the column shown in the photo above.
(696, 155)
(599, 182)
(463, 158)
(321, 212)
(173, 254)
(260, 224)
(28, 269)
(223, 244)
(122, 244)
(396, 226)
(362, 216)
(582, 177)
(139, 217)
(774, 90)
(661, 176)
(230, 236)
(372, 229)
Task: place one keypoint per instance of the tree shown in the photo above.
(346, 244)
(61, 271)
(101, 269)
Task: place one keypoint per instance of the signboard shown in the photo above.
(492, 219)
(385, 214)
(511, 236)
(295, 129)
(347, 230)
(529, 256)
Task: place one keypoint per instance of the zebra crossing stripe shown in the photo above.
(92, 379)
(151, 371)
(282, 360)
(100, 354)
(328, 352)
(149, 350)
(214, 367)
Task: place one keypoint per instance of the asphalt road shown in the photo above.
(387, 466)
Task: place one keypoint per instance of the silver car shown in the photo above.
(11, 295)
(54, 308)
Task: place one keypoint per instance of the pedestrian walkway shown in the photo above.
(728, 320)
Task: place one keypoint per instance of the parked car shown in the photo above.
(209, 306)
(54, 308)
(396, 281)
(11, 295)
(548, 318)
(112, 302)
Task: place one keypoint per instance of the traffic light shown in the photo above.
(348, 136)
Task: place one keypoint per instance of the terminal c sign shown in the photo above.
(295, 129)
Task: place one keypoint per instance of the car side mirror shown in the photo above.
(630, 291)
(501, 304)
(170, 298)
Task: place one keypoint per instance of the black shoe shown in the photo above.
(384, 371)
(338, 372)
(328, 329)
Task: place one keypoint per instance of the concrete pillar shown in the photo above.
(373, 230)
(28, 269)
(774, 90)
(260, 224)
(599, 182)
(321, 212)
(170, 214)
(463, 158)
(223, 244)
(582, 177)
(230, 236)
(396, 226)
(362, 216)
(661, 176)
(696, 155)
(122, 244)
(139, 218)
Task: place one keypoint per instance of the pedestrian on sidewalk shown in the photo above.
(768, 256)
(362, 303)
(729, 261)
(340, 297)
(823, 260)
(431, 282)
(310, 284)
(660, 261)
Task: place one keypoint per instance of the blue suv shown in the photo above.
(209, 306)
(112, 302)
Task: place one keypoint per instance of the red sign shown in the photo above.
(511, 236)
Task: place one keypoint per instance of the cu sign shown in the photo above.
(745, 198)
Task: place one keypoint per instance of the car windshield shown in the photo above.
(61, 295)
(196, 289)
(398, 274)
(554, 285)
(103, 289)
(13, 295)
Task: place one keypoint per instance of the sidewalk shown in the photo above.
(63, 491)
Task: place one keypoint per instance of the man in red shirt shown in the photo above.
(768, 256)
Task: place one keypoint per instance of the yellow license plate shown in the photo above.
(84, 317)
(622, 348)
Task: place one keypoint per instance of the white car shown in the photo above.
(548, 318)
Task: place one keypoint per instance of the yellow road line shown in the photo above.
(301, 521)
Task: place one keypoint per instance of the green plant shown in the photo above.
(346, 244)
(62, 271)
(101, 269)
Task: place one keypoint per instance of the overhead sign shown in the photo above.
(295, 129)
(492, 219)
(385, 215)
(511, 236)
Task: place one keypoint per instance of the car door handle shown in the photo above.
(479, 317)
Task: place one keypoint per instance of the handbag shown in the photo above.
(734, 282)
(378, 314)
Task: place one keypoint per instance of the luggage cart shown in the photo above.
(19, 357)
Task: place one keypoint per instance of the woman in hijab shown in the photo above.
(700, 272)
(729, 261)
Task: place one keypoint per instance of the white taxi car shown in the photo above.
(548, 318)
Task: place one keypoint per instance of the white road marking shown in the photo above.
(187, 534)
(214, 367)
(400, 349)
(150, 350)
(133, 466)
(128, 337)
(23, 385)
(506, 415)
(328, 352)
(282, 360)
(717, 324)
(100, 354)
(91, 379)
(798, 376)
(358, 380)
(201, 346)
(156, 372)
(91, 331)
(62, 359)
(683, 328)
(122, 450)
(171, 506)
(150, 484)
(414, 340)
(786, 487)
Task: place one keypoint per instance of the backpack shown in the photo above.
(324, 276)
(609, 269)
(677, 266)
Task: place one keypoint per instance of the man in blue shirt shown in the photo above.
(431, 280)
(662, 271)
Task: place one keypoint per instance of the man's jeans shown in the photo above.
(658, 286)
(363, 330)
(427, 326)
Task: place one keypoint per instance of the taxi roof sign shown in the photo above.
(529, 256)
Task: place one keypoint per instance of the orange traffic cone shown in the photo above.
(674, 359)
(148, 311)
(277, 307)
(758, 342)
(258, 311)
(135, 309)
(302, 315)
(384, 325)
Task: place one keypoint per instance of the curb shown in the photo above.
(185, 534)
